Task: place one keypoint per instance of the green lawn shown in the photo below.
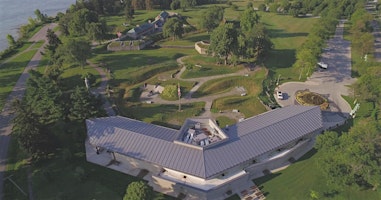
(288, 34)
(187, 40)
(297, 181)
(10, 73)
(165, 115)
(202, 66)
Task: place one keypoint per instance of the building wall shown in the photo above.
(138, 164)
(256, 170)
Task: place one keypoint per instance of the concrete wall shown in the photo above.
(256, 170)
(218, 193)
(199, 49)
(129, 162)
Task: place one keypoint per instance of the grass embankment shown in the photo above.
(12, 68)
(203, 66)
(249, 105)
(297, 181)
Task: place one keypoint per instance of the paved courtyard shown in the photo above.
(331, 83)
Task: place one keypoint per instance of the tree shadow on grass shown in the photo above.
(279, 33)
(281, 58)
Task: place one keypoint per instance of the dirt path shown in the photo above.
(18, 91)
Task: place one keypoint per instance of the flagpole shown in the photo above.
(179, 95)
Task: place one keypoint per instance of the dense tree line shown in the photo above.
(298, 8)
(353, 158)
(308, 54)
(44, 107)
(47, 105)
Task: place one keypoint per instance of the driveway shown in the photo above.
(331, 83)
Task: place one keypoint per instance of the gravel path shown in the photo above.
(18, 91)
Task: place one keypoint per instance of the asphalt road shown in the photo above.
(17, 93)
(331, 83)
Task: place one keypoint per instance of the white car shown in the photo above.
(322, 65)
(279, 95)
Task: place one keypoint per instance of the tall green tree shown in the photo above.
(173, 28)
(29, 132)
(212, 17)
(45, 97)
(249, 19)
(129, 12)
(352, 159)
(223, 41)
(11, 40)
(40, 17)
(96, 31)
(75, 51)
(138, 191)
(85, 105)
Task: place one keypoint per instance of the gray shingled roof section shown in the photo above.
(248, 139)
(145, 142)
(262, 134)
(133, 125)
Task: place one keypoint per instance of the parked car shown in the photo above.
(322, 65)
(279, 95)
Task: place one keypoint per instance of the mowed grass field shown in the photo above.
(11, 70)
(288, 34)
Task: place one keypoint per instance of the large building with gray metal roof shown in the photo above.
(202, 160)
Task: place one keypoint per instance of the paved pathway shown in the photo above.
(18, 91)
(102, 89)
(331, 83)
(188, 97)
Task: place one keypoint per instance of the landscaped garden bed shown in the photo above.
(307, 98)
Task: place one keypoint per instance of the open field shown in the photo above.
(11, 71)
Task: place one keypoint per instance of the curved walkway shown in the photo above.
(200, 81)
(101, 90)
(331, 83)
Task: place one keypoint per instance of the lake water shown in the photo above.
(14, 13)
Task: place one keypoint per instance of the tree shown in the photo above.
(28, 131)
(368, 86)
(305, 61)
(223, 41)
(353, 158)
(85, 105)
(96, 31)
(212, 17)
(45, 97)
(40, 17)
(11, 40)
(53, 43)
(129, 12)
(138, 191)
(175, 4)
(173, 27)
(76, 51)
(249, 19)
